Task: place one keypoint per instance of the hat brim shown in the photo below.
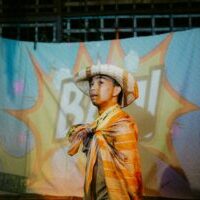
(121, 76)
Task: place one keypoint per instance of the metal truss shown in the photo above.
(91, 20)
(123, 26)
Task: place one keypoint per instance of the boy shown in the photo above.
(110, 142)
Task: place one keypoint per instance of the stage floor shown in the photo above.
(47, 197)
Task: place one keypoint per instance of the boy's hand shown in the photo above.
(79, 131)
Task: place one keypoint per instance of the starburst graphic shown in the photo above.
(170, 105)
(83, 59)
(41, 118)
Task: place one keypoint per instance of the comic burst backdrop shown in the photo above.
(39, 102)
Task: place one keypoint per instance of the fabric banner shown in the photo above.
(39, 102)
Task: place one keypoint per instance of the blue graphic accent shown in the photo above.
(10, 59)
(183, 64)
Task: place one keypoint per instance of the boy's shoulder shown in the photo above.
(122, 116)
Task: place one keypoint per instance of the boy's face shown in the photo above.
(102, 89)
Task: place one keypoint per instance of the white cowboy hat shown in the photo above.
(123, 77)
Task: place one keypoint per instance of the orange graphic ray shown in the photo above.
(41, 122)
(177, 106)
(156, 58)
(161, 145)
(37, 120)
(83, 59)
(116, 54)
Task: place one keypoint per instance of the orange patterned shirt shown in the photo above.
(115, 139)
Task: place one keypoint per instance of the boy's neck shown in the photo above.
(103, 108)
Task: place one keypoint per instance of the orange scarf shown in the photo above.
(115, 138)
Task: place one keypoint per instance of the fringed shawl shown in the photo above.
(115, 139)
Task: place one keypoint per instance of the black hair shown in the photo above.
(119, 99)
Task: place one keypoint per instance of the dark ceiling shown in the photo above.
(54, 19)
